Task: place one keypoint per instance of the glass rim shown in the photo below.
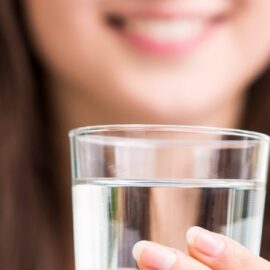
(245, 136)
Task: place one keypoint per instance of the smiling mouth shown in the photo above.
(163, 33)
(159, 28)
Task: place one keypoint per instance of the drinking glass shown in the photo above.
(134, 182)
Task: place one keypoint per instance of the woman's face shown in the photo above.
(169, 59)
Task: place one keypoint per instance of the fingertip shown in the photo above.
(205, 242)
(153, 256)
(191, 235)
(138, 249)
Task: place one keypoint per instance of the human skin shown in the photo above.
(93, 69)
(207, 251)
(98, 76)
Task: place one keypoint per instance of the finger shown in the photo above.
(153, 256)
(221, 253)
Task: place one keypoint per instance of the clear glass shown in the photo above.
(134, 182)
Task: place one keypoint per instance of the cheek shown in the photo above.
(253, 35)
(65, 33)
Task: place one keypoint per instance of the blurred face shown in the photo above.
(166, 59)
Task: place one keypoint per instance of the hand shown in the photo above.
(208, 251)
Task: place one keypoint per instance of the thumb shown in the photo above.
(221, 253)
(150, 255)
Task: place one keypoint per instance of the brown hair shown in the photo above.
(30, 206)
(31, 210)
(256, 118)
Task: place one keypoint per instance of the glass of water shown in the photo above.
(134, 182)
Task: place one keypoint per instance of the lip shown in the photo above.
(173, 45)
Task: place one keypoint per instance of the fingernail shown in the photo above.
(138, 250)
(205, 242)
(153, 256)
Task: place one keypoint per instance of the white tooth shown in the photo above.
(166, 29)
(189, 28)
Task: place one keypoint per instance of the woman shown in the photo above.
(73, 63)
